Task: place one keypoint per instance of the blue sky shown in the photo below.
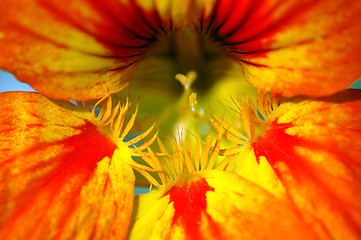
(9, 83)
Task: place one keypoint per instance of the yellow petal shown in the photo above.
(219, 206)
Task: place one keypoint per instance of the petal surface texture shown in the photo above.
(292, 47)
(74, 50)
(314, 148)
(222, 205)
(86, 49)
(60, 178)
(299, 179)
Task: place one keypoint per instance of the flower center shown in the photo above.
(166, 98)
(196, 52)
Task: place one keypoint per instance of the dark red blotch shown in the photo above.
(190, 203)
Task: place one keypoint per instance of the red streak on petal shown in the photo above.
(276, 145)
(126, 28)
(189, 204)
(83, 153)
(89, 147)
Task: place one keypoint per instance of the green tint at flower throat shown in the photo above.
(210, 77)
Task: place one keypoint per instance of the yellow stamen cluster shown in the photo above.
(183, 164)
(113, 119)
(253, 118)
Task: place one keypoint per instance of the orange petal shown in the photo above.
(222, 205)
(292, 47)
(74, 50)
(315, 149)
(59, 176)
(84, 49)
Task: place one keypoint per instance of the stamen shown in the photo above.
(184, 164)
(261, 103)
(205, 151)
(248, 122)
(186, 80)
(193, 100)
(215, 152)
(251, 116)
(231, 134)
(111, 119)
(197, 154)
(188, 158)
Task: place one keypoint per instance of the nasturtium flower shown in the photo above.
(258, 137)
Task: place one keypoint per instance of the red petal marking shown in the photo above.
(278, 146)
(243, 26)
(267, 145)
(305, 179)
(107, 38)
(276, 41)
(87, 149)
(58, 177)
(126, 28)
(190, 202)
